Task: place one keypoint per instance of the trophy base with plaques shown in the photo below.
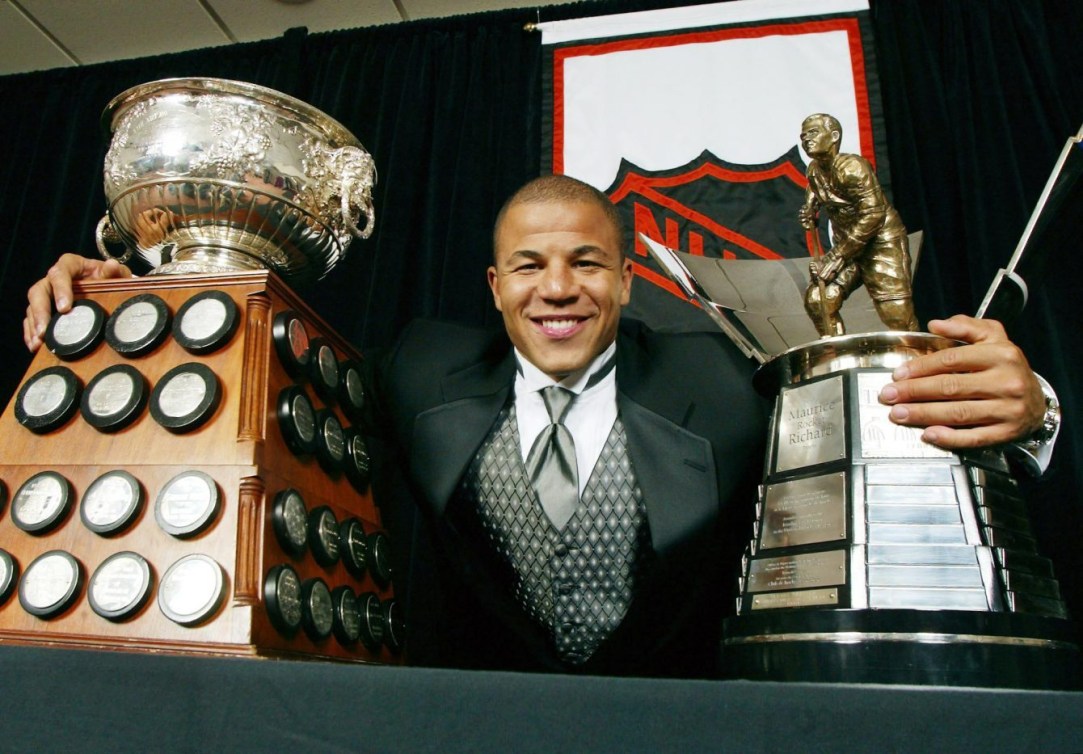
(184, 470)
(876, 557)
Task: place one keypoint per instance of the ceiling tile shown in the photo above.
(100, 30)
(250, 20)
(23, 47)
(116, 29)
(438, 8)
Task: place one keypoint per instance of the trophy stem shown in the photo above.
(209, 256)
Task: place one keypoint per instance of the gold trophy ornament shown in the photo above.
(870, 243)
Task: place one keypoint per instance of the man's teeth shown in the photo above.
(560, 324)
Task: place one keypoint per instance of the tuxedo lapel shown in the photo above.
(675, 467)
(446, 437)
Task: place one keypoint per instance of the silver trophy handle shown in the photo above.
(105, 234)
(357, 173)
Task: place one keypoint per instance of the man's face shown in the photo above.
(816, 138)
(560, 281)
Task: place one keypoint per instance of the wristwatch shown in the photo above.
(1035, 451)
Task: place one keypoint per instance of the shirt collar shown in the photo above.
(533, 379)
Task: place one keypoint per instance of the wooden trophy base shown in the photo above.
(223, 599)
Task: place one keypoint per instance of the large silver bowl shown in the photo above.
(210, 175)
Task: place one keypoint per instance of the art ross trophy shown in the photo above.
(874, 557)
(207, 425)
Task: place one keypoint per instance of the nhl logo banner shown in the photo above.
(688, 118)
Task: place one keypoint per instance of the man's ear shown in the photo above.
(494, 286)
(626, 275)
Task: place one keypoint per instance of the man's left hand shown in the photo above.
(973, 395)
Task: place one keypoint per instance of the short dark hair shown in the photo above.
(562, 188)
(829, 121)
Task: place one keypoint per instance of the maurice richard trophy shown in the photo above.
(185, 460)
(875, 557)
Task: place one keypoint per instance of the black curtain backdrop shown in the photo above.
(979, 97)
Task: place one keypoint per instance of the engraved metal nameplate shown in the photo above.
(909, 473)
(928, 599)
(815, 569)
(804, 511)
(807, 598)
(922, 554)
(136, 322)
(182, 395)
(1003, 520)
(946, 576)
(1037, 585)
(917, 495)
(811, 427)
(901, 534)
(44, 395)
(880, 437)
(913, 514)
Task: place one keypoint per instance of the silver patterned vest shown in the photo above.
(578, 582)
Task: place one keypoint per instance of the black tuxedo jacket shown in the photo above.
(695, 432)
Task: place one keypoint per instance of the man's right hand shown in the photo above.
(55, 288)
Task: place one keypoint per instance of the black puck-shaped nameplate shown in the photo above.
(323, 536)
(206, 322)
(120, 586)
(351, 390)
(372, 620)
(50, 584)
(9, 575)
(48, 399)
(356, 461)
(75, 334)
(3, 496)
(114, 398)
(291, 343)
(42, 502)
(282, 598)
(317, 612)
(187, 504)
(138, 326)
(191, 590)
(353, 546)
(289, 519)
(323, 370)
(330, 441)
(297, 420)
(185, 397)
(379, 558)
(347, 622)
(394, 625)
(111, 503)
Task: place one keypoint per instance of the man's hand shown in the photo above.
(55, 287)
(974, 395)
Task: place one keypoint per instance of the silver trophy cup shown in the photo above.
(211, 176)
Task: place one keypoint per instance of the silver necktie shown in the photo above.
(551, 461)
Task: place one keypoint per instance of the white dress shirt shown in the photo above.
(589, 419)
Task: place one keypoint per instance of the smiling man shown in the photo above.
(634, 574)
(587, 484)
(628, 577)
(559, 278)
